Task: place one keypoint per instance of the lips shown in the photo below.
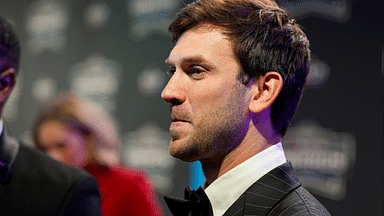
(179, 116)
(179, 120)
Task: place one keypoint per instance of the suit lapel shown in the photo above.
(9, 147)
(266, 192)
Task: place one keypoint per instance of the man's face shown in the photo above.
(209, 105)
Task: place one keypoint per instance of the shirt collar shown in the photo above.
(240, 178)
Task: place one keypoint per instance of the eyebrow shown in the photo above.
(195, 59)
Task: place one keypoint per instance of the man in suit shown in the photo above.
(237, 74)
(31, 183)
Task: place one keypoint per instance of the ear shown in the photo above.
(264, 91)
(7, 83)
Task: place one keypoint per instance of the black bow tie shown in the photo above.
(195, 203)
(5, 174)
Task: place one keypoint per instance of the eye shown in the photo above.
(197, 72)
(171, 71)
(61, 145)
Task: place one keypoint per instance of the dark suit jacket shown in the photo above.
(277, 193)
(42, 186)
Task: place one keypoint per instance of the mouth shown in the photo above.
(179, 120)
(179, 115)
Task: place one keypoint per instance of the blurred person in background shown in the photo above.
(75, 132)
(31, 183)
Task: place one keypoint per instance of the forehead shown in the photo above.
(203, 42)
(51, 131)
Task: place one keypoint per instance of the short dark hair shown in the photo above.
(9, 44)
(265, 38)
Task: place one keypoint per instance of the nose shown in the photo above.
(173, 92)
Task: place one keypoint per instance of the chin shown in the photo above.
(183, 151)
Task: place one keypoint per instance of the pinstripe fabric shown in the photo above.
(278, 193)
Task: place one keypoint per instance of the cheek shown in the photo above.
(210, 93)
(78, 148)
(57, 154)
(211, 110)
(66, 155)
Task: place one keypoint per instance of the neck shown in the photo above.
(254, 142)
(214, 169)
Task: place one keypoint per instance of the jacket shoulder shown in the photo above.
(299, 202)
(41, 185)
(33, 163)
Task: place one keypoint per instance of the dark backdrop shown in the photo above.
(113, 53)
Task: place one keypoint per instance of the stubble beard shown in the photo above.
(213, 137)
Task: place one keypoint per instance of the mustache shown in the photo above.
(179, 114)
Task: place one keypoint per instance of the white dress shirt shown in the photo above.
(225, 190)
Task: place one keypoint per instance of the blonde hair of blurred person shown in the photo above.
(79, 134)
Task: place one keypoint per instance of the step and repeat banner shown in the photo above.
(113, 52)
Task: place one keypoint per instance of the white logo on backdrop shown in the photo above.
(321, 157)
(44, 89)
(150, 16)
(97, 79)
(46, 23)
(335, 10)
(150, 81)
(318, 74)
(97, 15)
(147, 148)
